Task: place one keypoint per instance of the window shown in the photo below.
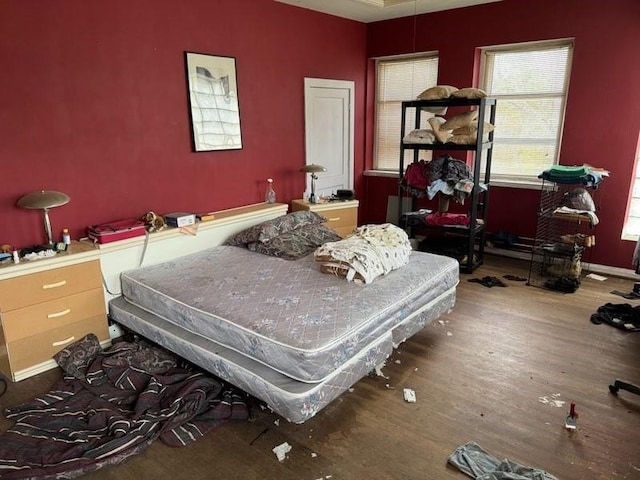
(530, 82)
(631, 229)
(398, 79)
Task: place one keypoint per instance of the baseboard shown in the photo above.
(586, 266)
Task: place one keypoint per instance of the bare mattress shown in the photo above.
(280, 329)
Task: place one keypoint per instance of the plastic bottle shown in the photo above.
(270, 194)
(66, 238)
(16, 256)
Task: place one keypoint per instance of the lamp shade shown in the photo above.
(43, 199)
(313, 168)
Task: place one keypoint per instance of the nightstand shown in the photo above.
(46, 305)
(342, 216)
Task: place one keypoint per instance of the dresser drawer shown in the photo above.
(39, 348)
(51, 315)
(341, 217)
(48, 285)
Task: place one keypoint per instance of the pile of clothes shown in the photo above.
(371, 251)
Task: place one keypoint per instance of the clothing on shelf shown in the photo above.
(565, 174)
(443, 175)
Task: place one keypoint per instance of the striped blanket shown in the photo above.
(112, 404)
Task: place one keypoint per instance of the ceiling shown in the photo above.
(374, 10)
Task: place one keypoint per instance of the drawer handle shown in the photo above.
(62, 342)
(54, 285)
(334, 219)
(59, 314)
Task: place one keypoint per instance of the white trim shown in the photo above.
(350, 85)
(591, 267)
(380, 173)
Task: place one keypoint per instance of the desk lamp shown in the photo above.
(312, 168)
(44, 200)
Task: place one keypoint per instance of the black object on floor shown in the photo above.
(622, 385)
(628, 296)
(515, 278)
(622, 316)
(489, 281)
(562, 284)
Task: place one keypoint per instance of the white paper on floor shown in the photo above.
(282, 450)
(554, 401)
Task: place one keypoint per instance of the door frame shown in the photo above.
(311, 83)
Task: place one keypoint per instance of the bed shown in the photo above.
(279, 328)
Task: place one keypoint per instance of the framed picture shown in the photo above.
(213, 102)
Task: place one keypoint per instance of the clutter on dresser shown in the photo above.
(179, 219)
(117, 230)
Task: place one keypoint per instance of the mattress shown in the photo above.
(294, 400)
(285, 314)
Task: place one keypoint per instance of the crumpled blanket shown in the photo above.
(471, 459)
(371, 251)
(110, 405)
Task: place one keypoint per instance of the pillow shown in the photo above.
(265, 231)
(296, 243)
(244, 237)
(469, 93)
(438, 92)
(286, 223)
(471, 129)
(420, 136)
(441, 135)
(467, 139)
(76, 358)
(461, 120)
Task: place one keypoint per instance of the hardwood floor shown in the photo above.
(481, 374)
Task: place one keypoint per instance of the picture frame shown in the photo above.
(214, 107)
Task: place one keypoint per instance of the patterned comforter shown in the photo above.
(110, 405)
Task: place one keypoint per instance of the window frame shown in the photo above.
(629, 233)
(514, 180)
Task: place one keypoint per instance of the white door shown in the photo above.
(329, 125)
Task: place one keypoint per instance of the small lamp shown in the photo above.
(312, 168)
(44, 200)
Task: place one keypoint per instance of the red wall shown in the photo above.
(93, 103)
(602, 122)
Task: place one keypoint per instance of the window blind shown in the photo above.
(398, 80)
(530, 84)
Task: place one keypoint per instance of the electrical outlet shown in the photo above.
(115, 331)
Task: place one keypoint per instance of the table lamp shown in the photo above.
(312, 168)
(44, 200)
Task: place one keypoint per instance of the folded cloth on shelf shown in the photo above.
(573, 213)
(564, 174)
(371, 251)
(445, 218)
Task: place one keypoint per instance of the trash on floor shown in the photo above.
(281, 451)
(553, 401)
(595, 276)
(571, 422)
(409, 395)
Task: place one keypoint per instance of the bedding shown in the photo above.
(281, 330)
(371, 251)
